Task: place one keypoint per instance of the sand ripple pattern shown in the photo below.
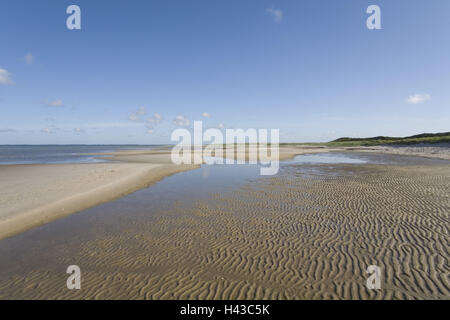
(309, 233)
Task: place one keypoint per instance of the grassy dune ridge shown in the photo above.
(442, 137)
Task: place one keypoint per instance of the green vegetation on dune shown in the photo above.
(443, 137)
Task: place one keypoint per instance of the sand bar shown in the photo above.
(32, 195)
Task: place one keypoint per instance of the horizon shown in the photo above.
(135, 73)
(173, 143)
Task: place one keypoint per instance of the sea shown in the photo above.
(53, 154)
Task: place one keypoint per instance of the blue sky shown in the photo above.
(138, 69)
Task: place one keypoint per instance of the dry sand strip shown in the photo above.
(32, 195)
(230, 152)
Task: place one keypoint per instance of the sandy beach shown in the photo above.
(308, 233)
(33, 195)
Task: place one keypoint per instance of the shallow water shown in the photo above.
(46, 154)
(325, 158)
(362, 158)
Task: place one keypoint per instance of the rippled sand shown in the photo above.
(308, 233)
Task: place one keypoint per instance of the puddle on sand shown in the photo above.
(324, 158)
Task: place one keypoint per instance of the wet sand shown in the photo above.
(308, 233)
(32, 195)
(426, 150)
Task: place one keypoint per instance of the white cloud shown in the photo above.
(152, 122)
(181, 121)
(206, 114)
(133, 117)
(276, 14)
(78, 131)
(418, 98)
(29, 59)
(5, 77)
(49, 130)
(158, 117)
(55, 103)
(141, 111)
(136, 116)
(7, 130)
